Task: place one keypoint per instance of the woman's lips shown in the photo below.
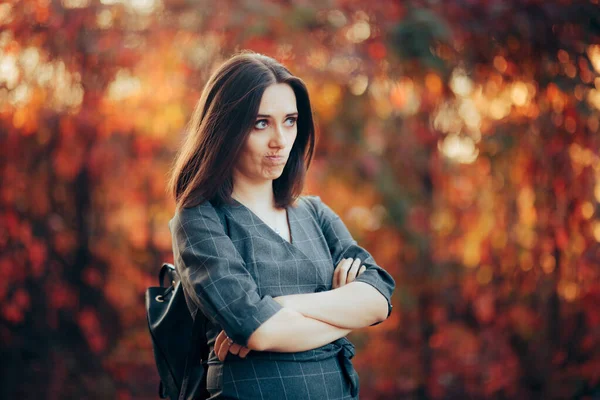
(275, 160)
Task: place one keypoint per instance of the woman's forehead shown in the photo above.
(278, 99)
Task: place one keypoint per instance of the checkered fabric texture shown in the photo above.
(232, 273)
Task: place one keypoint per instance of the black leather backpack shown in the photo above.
(181, 361)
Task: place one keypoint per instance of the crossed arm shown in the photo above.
(216, 279)
(315, 319)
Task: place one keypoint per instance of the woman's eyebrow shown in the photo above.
(268, 116)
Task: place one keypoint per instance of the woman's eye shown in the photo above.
(291, 121)
(261, 124)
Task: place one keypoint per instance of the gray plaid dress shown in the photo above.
(232, 265)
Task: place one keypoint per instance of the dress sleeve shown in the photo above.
(342, 245)
(214, 275)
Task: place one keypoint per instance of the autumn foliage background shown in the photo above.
(459, 141)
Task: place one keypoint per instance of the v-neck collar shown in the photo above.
(289, 218)
(302, 244)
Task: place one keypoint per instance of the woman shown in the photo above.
(277, 274)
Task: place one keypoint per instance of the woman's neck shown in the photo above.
(259, 196)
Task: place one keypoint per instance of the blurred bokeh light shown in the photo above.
(458, 140)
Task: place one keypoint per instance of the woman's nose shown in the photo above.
(278, 136)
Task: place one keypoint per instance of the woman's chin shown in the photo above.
(273, 172)
(273, 176)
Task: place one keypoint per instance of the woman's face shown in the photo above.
(268, 145)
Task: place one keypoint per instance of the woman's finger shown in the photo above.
(219, 341)
(220, 338)
(222, 345)
(223, 350)
(243, 352)
(335, 281)
(235, 348)
(361, 270)
(344, 267)
(353, 270)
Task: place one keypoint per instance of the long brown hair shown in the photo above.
(220, 124)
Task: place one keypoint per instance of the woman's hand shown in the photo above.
(224, 345)
(346, 271)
